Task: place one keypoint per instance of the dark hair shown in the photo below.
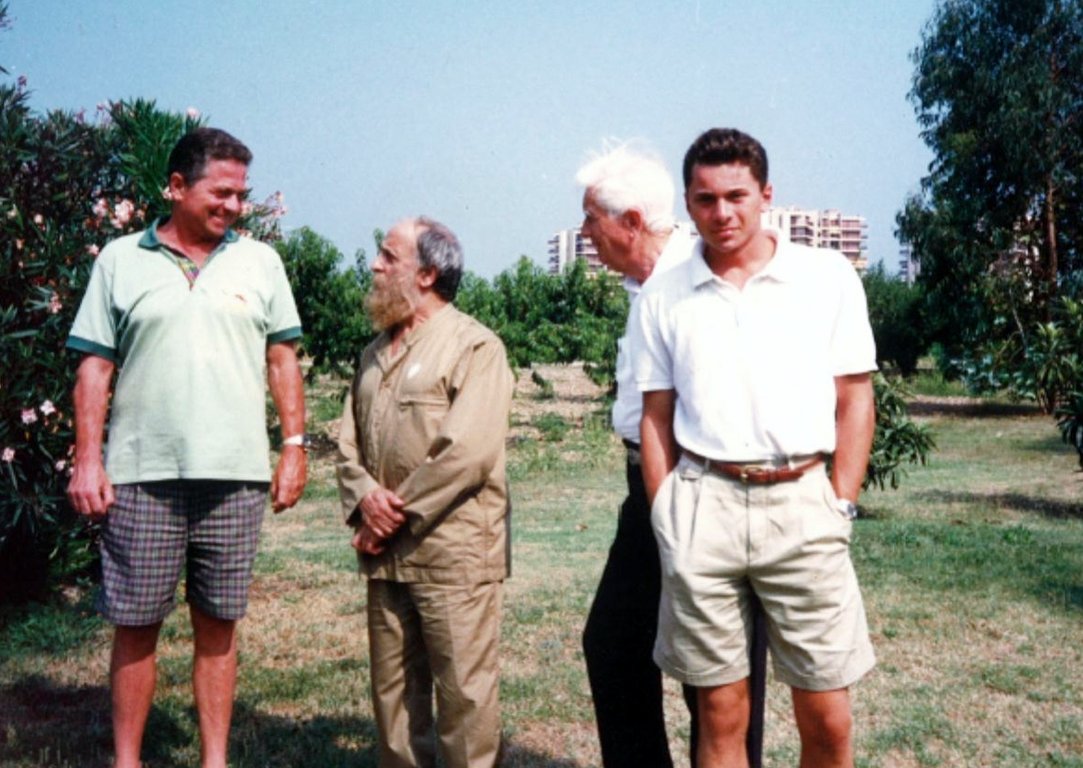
(722, 146)
(439, 249)
(196, 148)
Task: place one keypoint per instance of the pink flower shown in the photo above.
(100, 209)
(47, 408)
(192, 113)
(93, 250)
(29, 416)
(54, 304)
(19, 243)
(122, 213)
(9, 454)
(39, 219)
(60, 466)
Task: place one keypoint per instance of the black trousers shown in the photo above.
(618, 643)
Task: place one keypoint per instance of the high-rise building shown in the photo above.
(569, 244)
(908, 265)
(822, 229)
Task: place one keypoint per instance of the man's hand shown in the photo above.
(366, 542)
(89, 491)
(381, 511)
(289, 479)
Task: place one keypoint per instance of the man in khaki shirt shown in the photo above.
(422, 481)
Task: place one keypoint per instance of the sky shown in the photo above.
(479, 114)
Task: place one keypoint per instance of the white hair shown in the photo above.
(624, 177)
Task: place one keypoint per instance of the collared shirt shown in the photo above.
(754, 369)
(190, 396)
(429, 423)
(628, 407)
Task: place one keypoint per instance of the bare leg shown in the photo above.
(723, 726)
(133, 673)
(826, 728)
(214, 679)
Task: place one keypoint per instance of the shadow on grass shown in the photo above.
(1053, 509)
(46, 724)
(43, 723)
(968, 407)
(978, 557)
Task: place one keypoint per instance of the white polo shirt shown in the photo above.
(628, 407)
(754, 369)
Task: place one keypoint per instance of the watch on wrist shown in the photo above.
(302, 441)
(846, 508)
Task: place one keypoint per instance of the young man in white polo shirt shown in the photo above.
(754, 358)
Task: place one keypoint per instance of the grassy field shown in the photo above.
(972, 575)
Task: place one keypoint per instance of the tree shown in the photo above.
(329, 301)
(997, 89)
(898, 323)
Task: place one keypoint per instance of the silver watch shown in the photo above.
(847, 509)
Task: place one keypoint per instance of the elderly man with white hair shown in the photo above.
(628, 214)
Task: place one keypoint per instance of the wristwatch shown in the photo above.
(302, 441)
(847, 509)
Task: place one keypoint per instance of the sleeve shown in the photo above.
(354, 481)
(471, 438)
(652, 365)
(283, 323)
(853, 348)
(94, 331)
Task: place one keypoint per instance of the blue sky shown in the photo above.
(480, 113)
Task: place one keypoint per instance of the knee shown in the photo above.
(828, 732)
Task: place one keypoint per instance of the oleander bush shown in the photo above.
(68, 185)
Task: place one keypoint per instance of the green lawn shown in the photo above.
(972, 574)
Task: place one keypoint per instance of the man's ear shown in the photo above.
(176, 186)
(633, 219)
(426, 277)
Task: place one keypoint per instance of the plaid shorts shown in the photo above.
(209, 527)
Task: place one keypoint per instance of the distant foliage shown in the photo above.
(329, 301)
(897, 318)
(545, 318)
(898, 440)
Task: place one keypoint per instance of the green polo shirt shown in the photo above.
(190, 394)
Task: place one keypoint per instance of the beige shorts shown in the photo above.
(719, 538)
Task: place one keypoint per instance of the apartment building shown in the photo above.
(823, 229)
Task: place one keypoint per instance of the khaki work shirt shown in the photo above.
(430, 423)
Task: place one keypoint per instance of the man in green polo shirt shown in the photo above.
(193, 320)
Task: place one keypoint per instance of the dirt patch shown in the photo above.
(563, 390)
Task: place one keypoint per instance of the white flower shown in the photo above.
(39, 219)
(29, 416)
(101, 208)
(93, 250)
(9, 454)
(47, 408)
(54, 304)
(192, 113)
(60, 465)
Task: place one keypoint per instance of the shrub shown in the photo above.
(67, 185)
(898, 440)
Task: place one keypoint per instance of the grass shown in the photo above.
(972, 574)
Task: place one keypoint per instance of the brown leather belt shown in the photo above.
(756, 473)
